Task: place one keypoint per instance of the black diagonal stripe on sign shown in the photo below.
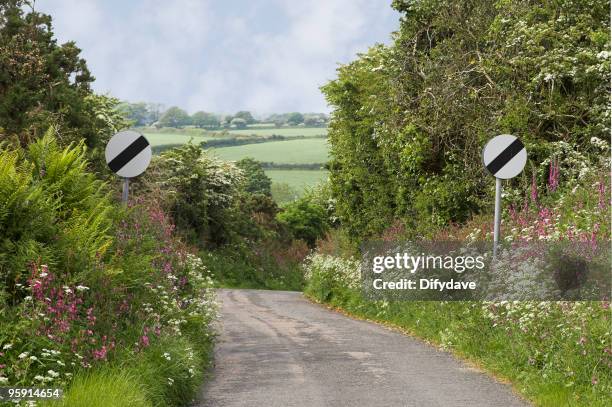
(505, 156)
(128, 154)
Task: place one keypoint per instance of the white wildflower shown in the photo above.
(53, 373)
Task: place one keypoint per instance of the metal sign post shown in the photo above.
(126, 191)
(504, 157)
(128, 155)
(497, 218)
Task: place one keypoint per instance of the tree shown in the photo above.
(239, 123)
(255, 179)
(205, 120)
(246, 116)
(137, 113)
(227, 120)
(41, 82)
(295, 118)
(410, 119)
(312, 120)
(175, 117)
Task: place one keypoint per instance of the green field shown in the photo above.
(303, 151)
(283, 131)
(297, 179)
(298, 151)
(160, 139)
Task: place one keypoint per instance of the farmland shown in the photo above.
(160, 141)
(283, 131)
(297, 179)
(302, 151)
(310, 150)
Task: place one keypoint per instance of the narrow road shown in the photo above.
(277, 349)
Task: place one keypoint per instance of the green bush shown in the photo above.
(201, 191)
(305, 220)
(255, 179)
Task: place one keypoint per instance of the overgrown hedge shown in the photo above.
(410, 119)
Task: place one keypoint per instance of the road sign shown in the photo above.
(128, 154)
(504, 156)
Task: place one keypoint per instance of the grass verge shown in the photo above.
(168, 373)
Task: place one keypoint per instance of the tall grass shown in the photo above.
(103, 388)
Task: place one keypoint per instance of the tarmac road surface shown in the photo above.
(276, 348)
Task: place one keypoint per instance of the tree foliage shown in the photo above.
(175, 117)
(239, 123)
(305, 219)
(410, 119)
(255, 179)
(205, 120)
(45, 84)
(295, 118)
(201, 192)
(246, 116)
(140, 113)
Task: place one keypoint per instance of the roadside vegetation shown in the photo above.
(406, 133)
(114, 303)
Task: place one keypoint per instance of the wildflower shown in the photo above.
(81, 288)
(170, 381)
(3, 380)
(53, 373)
(39, 378)
(33, 357)
(553, 176)
(23, 355)
(167, 356)
(7, 346)
(100, 354)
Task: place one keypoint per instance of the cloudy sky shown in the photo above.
(221, 55)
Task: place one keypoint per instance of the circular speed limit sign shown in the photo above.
(128, 154)
(504, 156)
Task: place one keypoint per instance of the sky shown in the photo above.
(266, 56)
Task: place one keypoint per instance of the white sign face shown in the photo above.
(128, 154)
(504, 156)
